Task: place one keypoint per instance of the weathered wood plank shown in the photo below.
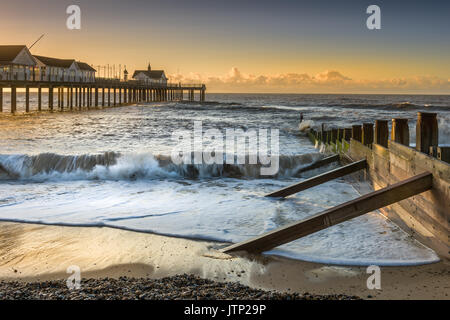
(322, 178)
(320, 163)
(338, 214)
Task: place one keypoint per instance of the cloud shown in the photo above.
(330, 77)
(326, 81)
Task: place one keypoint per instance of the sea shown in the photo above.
(113, 167)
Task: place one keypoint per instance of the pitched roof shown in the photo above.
(9, 53)
(153, 74)
(85, 66)
(54, 62)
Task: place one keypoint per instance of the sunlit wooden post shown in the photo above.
(114, 91)
(427, 133)
(347, 134)
(381, 132)
(356, 132)
(367, 134)
(400, 131)
(334, 134)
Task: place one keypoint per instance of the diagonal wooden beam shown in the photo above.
(346, 211)
(320, 163)
(322, 178)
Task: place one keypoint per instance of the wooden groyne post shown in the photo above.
(427, 133)
(411, 188)
(381, 132)
(367, 134)
(400, 131)
(425, 216)
(357, 132)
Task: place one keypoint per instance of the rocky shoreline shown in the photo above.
(181, 287)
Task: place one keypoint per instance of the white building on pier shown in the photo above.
(150, 76)
(64, 70)
(17, 63)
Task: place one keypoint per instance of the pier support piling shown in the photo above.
(27, 99)
(13, 99)
(68, 97)
(1, 99)
(71, 98)
(96, 97)
(39, 106)
(50, 98)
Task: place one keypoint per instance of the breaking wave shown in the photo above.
(116, 166)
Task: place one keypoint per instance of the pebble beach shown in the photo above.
(180, 287)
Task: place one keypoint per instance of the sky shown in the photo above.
(287, 46)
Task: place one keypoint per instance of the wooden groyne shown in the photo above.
(100, 93)
(410, 186)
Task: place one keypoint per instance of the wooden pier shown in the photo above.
(101, 93)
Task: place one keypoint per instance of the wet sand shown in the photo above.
(31, 253)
